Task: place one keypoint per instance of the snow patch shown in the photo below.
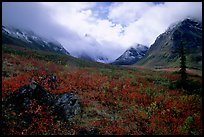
(6, 30)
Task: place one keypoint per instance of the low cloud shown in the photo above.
(98, 29)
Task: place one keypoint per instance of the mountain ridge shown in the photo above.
(164, 51)
(131, 55)
(12, 35)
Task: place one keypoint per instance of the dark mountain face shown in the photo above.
(132, 55)
(87, 57)
(164, 52)
(30, 39)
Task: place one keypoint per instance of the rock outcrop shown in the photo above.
(67, 105)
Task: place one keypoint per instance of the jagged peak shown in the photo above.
(30, 36)
(138, 46)
(183, 22)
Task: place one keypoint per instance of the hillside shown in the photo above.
(164, 52)
(29, 39)
(51, 56)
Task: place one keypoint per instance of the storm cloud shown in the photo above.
(98, 29)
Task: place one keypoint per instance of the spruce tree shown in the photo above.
(183, 64)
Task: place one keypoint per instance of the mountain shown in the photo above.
(11, 35)
(88, 57)
(96, 55)
(131, 55)
(102, 59)
(164, 52)
(85, 56)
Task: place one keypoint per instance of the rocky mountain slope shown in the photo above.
(164, 52)
(131, 55)
(14, 36)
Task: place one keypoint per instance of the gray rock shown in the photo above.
(25, 95)
(18, 107)
(67, 105)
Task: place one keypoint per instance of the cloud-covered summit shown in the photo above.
(113, 27)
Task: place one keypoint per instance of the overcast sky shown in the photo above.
(101, 28)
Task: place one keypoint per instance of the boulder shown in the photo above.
(18, 107)
(25, 95)
(67, 105)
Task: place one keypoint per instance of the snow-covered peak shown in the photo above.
(102, 60)
(190, 22)
(131, 55)
(33, 39)
(139, 47)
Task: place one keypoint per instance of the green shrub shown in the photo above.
(190, 87)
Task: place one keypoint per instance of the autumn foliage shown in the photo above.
(115, 101)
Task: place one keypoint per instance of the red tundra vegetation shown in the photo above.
(115, 101)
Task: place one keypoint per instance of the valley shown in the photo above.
(102, 68)
(115, 100)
